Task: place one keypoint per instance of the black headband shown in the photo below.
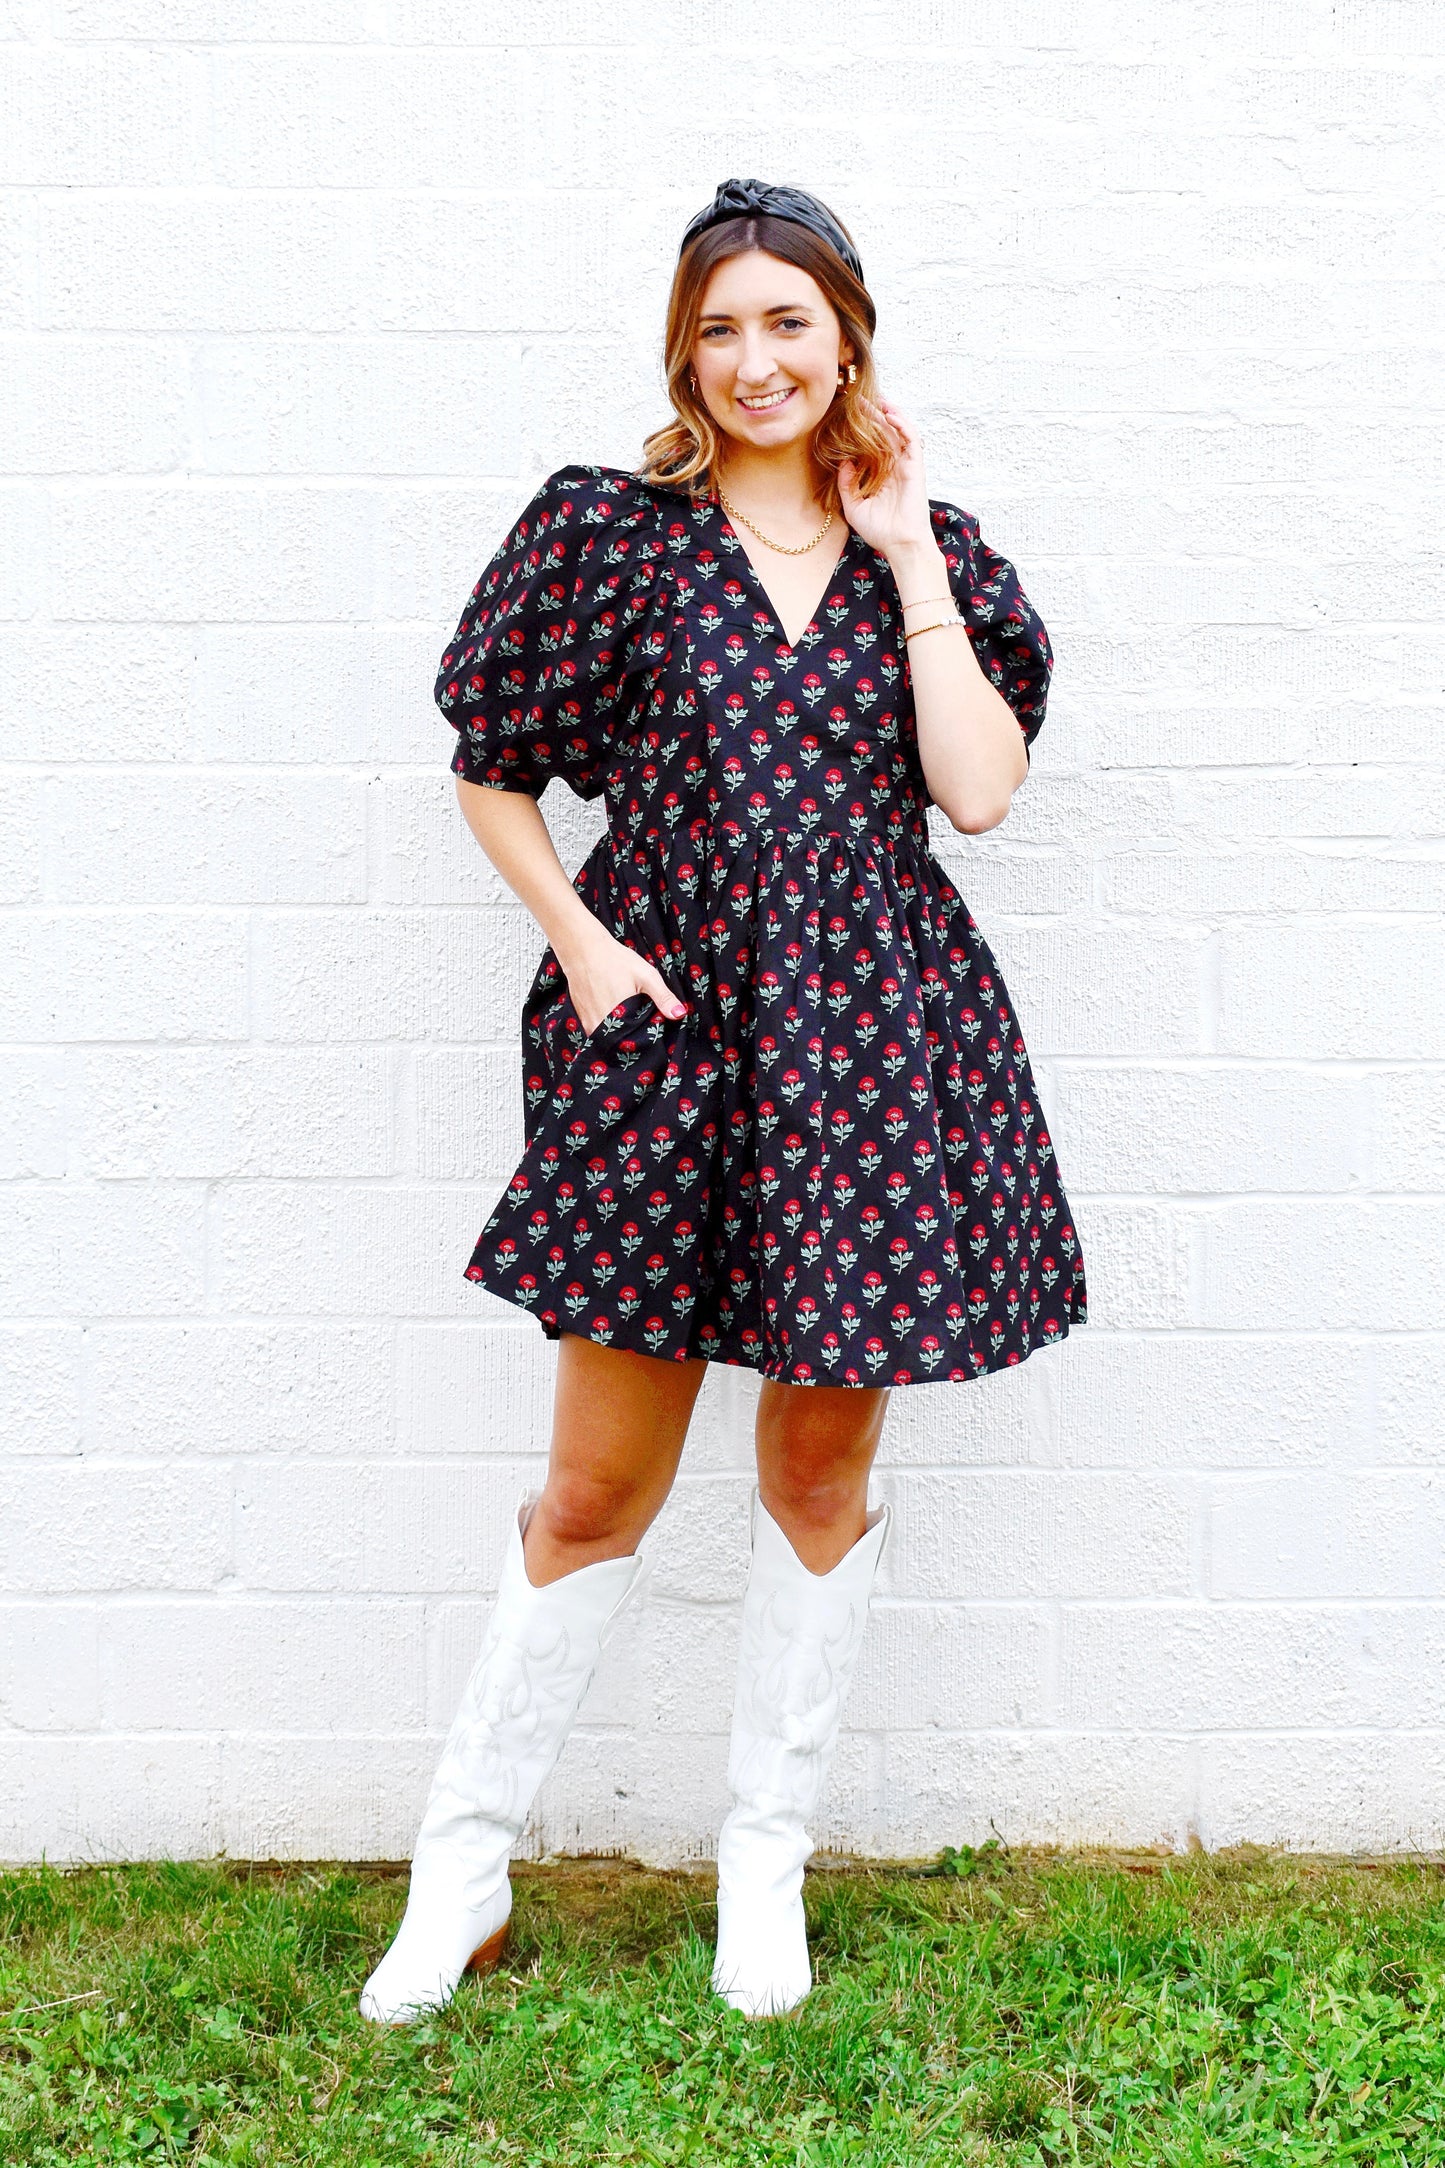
(755, 199)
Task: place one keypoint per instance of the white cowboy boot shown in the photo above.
(536, 1660)
(801, 1633)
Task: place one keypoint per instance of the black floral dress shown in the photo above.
(833, 1168)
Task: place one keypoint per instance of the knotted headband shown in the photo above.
(756, 199)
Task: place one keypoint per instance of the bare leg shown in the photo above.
(816, 1445)
(619, 1423)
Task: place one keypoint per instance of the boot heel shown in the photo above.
(489, 1955)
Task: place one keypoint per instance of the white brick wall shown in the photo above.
(296, 304)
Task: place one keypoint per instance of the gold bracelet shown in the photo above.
(939, 625)
(919, 600)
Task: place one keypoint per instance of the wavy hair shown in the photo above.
(683, 450)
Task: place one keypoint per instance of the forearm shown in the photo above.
(970, 746)
(509, 826)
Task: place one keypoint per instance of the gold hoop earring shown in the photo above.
(852, 376)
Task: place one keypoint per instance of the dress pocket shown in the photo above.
(612, 1068)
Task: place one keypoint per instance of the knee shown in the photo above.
(582, 1510)
(813, 1465)
(809, 1491)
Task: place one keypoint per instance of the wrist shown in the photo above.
(573, 932)
(919, 569)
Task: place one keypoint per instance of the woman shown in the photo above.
(778, 1110)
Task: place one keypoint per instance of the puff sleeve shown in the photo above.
(1008, 635)
(554, 634)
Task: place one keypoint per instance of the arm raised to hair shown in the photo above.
(972, 742)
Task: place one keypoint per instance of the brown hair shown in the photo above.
(683, 450)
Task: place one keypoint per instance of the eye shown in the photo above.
(711, 328)
(793, 323)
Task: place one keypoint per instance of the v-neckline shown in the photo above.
(757, 579)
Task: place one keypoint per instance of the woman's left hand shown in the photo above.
(897, 516)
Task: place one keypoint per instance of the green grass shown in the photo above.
(1004, 2007)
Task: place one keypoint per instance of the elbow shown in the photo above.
(984, 801)
(975, 815)
(976, 820)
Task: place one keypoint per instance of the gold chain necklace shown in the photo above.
(784, 549)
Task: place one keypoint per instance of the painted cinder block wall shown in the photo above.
(296, 306)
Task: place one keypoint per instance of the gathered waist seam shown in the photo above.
(889, 839)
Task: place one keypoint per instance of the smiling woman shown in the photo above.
(780, 298)
(779, 1111)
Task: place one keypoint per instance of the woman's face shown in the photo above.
(767, 350)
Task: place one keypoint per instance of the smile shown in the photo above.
(767, 400)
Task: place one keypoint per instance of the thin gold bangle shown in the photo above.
(940, 625)
(919, 600)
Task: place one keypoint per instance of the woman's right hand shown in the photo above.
(605, 972)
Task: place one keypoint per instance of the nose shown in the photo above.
(755, 364)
